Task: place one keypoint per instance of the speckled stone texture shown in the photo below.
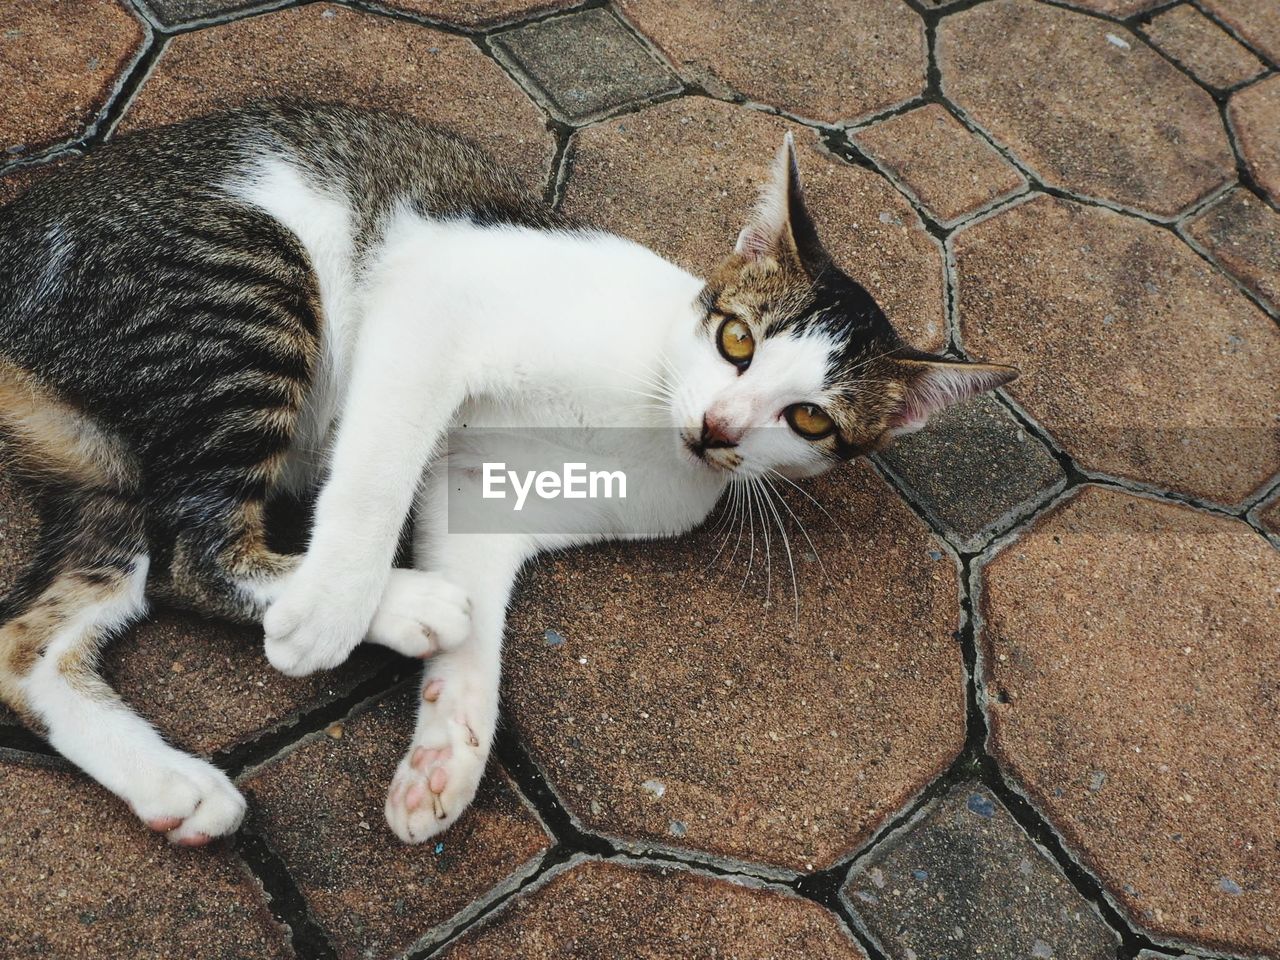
(329, 52)
(17, 181)
(1243, 234)
(1086, 104)
(584, 65)
(1269, 516)
(1129, 655)
(1257, 22)
(932, 889)
(823, 60)
(950, 170)
(681, 710)
(19, 522)
(1252, 112)
(477, 14)
(81, 879)
(597, 910)
(682, 177)
(1113, 8)
(171, 13)
(60, 62)
(975, 470)
(1204, 48)
(320, 807)
(1140, 358)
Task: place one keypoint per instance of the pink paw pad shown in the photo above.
(164, 824)
(431, 692)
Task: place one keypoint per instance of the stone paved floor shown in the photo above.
(1029, 707)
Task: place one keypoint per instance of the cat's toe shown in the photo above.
(192, 803)
(421, 614)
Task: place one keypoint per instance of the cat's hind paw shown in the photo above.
(421, 614)
(190, 801)
(438, 778)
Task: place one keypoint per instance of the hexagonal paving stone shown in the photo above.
(669, 705)
(320, 808)
(478, 13)
(825, 60)
(19, 523)
(1269, 515)
(682, 177)
(974, 470)
(611, 909)
(170, 13)
(328, 52)
(1141, 359)
(1253, 113)
(1204, 48)
(1113, 8)
(1243, 234)
(1130, 653)
(951, 171)
(1086, 104)
(928, 889)
(84, 879)
(61, 61)
(1256, 21)
(584, 65)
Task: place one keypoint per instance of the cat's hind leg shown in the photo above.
(49, 673)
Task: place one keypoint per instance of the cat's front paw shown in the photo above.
(421, 614)
(439, 776)
(313, 625)
(189, 800)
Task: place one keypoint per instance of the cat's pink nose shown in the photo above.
(718, 432)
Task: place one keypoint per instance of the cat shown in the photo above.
(197, 318)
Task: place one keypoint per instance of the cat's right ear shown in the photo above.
(780, 227)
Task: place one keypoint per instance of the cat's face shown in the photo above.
(792, 366)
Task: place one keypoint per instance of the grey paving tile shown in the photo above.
(170, 13)
(974, 470)
(584, 65)
(963, 880)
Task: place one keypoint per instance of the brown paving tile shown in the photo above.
(928, 889)
(1151, 741)
(1113, 8)
(1257, 21)
(675, 708)
(83, 879)
(320, 808)
(19, 522)
(1141, 359)
(1085, 103)
(603, 910)
(173, 12)
(1254, 113)
(823, 60)
(326, 52)
(683, 176)
(585, 65)
(60, 62)
(1269, 516)
(18, 181)
(1204, 48)
(1243, 234)
(950, 170)
(478, 13)
(208, 686)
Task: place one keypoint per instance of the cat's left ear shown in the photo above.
(932, 384)
(781, 227)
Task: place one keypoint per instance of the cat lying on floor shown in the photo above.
(196, 318)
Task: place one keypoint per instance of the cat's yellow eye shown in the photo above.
(810, 421)
(737, 345)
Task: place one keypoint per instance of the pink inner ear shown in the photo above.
(754, 241)
(939, 386)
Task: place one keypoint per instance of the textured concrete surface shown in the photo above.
(1085, 104)
(1209, 52)
(823, 60)
(1129, 654)
(172, 13)
(683, 177)
(1257, 22)
(951, 171)
(928, 890)
(601, 911)
(328, 52)
(83, 881)
(1137, 356)
(974, 470)
(374, 896)
(610, 67)
(1252, 112)
(711, 726)
(67, 58)
(19, 522)
(1243, 234)
(476, 14)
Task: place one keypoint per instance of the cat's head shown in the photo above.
(793, 366)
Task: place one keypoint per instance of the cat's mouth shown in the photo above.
(716, 458)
